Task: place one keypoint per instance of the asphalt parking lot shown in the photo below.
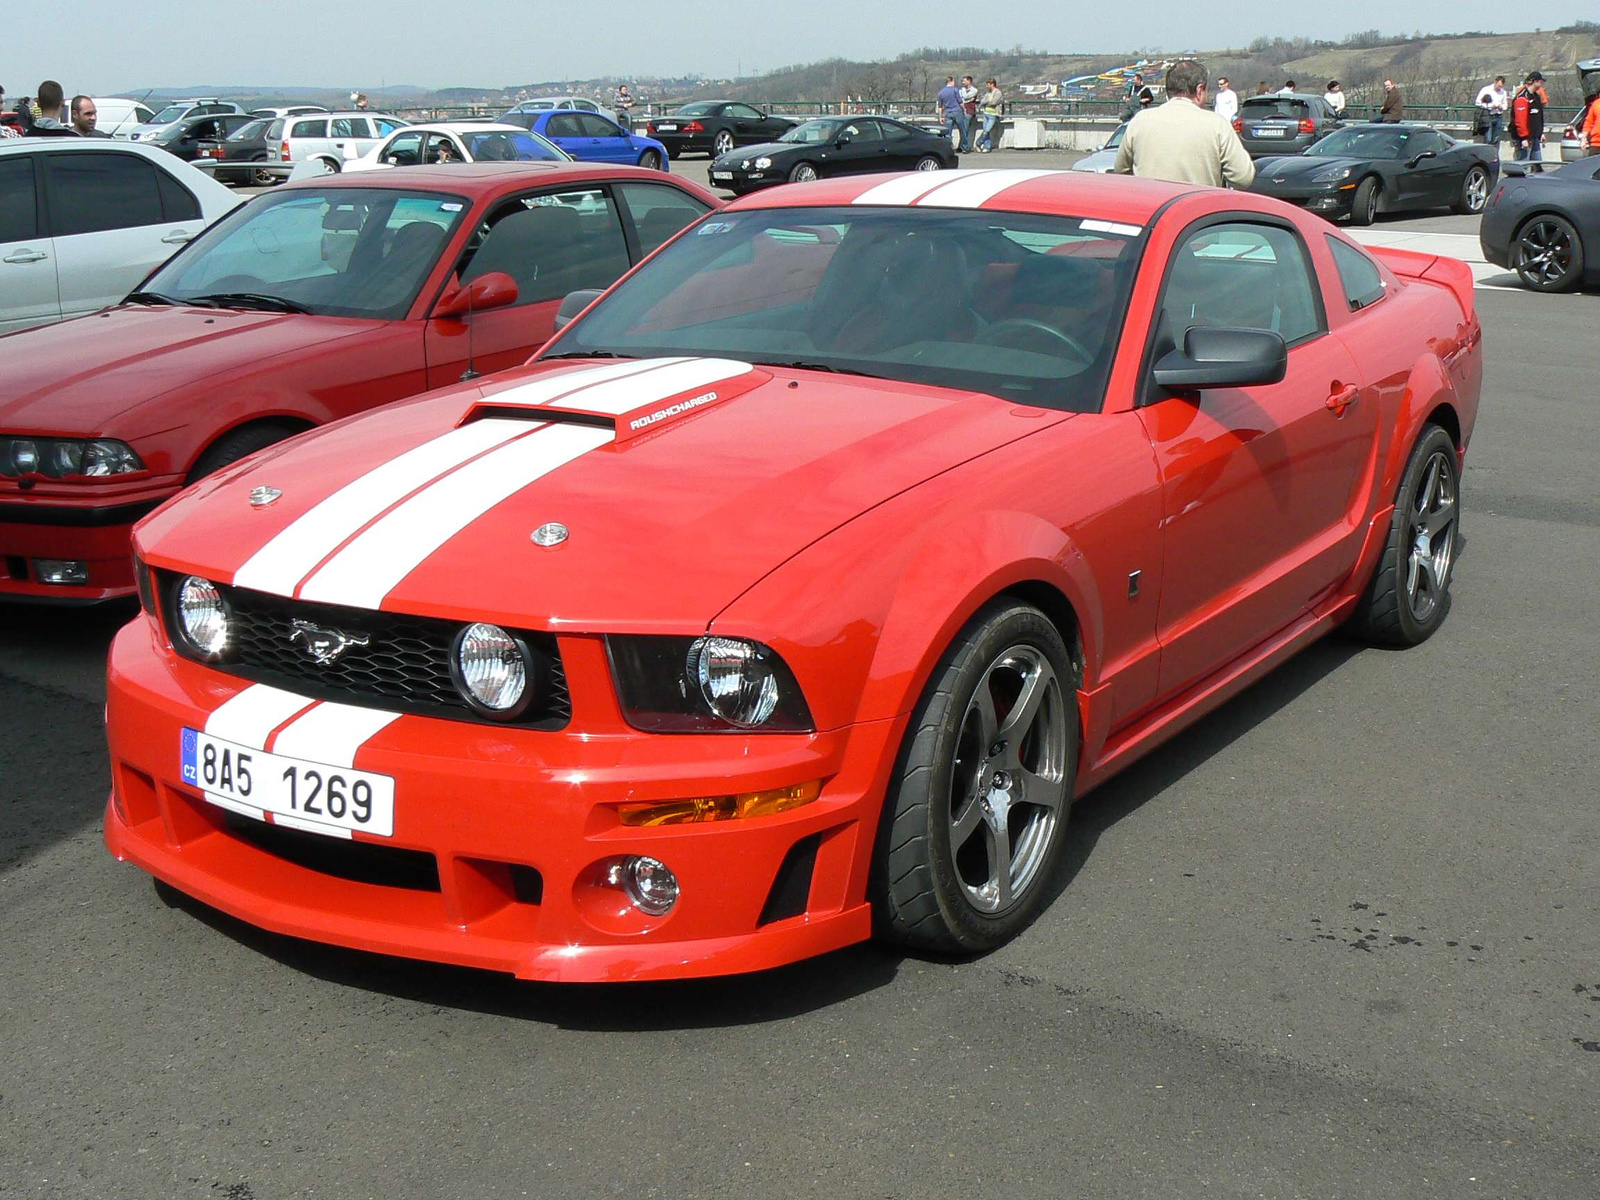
(1341, 939)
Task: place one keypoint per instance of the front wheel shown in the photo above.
(721, 144)
(1474, 191)
(1364, 206)
(1548, 254)
(929, 162)
(802, 173)
(235, 444)
(976, 814)
(1410, 591)
(650, 160)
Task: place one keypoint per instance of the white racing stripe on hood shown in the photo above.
(979, 187)
(296, 550)
(907, 188)
(366, 570)
(542, 391)
(332, 733)
(250, 716)
(624, 395)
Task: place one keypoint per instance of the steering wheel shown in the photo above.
(1016, 333)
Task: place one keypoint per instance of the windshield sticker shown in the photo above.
(451, 206)
(714, 227)
(1111, 227)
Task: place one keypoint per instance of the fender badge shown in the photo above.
(262, 496)
(551, 533)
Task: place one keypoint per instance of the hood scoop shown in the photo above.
(630, 398)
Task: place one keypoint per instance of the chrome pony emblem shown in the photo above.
(322, 644)
(262, 496)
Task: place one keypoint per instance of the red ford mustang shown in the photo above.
(898, 512)
(316, 302)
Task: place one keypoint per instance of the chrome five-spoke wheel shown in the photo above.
(1433, 537)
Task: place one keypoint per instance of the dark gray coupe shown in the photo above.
(1546, 226)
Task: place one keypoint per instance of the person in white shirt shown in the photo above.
(1492, 101)
(1288, 88)
(1227, 101)
(1334, 97)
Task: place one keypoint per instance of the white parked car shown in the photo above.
(178, 110)
(549, 103)
(116, 116)
(452, 141)
(116, 211)
(330, 140)
(287, 110)
(1102, 159)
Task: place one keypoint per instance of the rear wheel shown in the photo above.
(1364, 207)
(929, 162)
(650, 160)
(1548, 254)
(1474, 191)
(976, 813)
(330, 166)
(721, 144)
(1410, 591)
(261, 177)
(235, 444)
(802, 173)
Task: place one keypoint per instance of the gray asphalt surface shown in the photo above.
(1338, 940)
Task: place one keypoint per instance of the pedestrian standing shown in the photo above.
(1334, 98)
(1288, 88)
(991, 105)
(1538, 100)
(24, 116)
(1394, 105)
(49, 122)
(1261, 88)
(1492, 101)
(7, 131)
(1182, 140)
(969, 112)
(1226, 102)
(622, 102)
(950, 111)
(1589, 124)
(1138, 94)
(84, 115)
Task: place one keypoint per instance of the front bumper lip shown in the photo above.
(482, 801)
(99, 535)
(91, 517)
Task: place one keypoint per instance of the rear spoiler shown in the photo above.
(1435, 268)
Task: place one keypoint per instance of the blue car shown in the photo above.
(591, 137)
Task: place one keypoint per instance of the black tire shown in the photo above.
(929, 162)
(1474, 194)
(650, 160)
(333, 165)
(235, 444)
(1364, 204)
(1547, 253)
(721, 143)
(1390, 614)
(803, 172)
(925, 891)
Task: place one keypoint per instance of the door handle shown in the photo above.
(1343, 398)
(177, 237)
(26, 256)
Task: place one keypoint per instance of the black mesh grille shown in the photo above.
(404, 665)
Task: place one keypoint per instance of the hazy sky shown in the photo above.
(101, 46)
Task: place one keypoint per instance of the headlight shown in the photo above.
(763, 163)
(62, 458)
(1329, 174)
(204, 619)
(491, 669)
(705, 684)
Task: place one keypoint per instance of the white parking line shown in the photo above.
(1454, 245)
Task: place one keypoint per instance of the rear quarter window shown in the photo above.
(1363, 285)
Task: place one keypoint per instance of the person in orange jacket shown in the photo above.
(1589, 131)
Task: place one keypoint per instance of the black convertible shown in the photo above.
(1363, 170)
(833, 146)
(715, 127)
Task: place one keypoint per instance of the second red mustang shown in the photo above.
(900, 512)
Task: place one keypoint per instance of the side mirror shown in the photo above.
(495, 289)
(844, 139)
(1216, 356)
(574, 303)
(1423, 155)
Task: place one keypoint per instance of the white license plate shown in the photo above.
(303, 794)
(722, 174)
(1267, 131)
(667, 128)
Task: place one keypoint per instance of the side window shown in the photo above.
(594, 125)
(1363, 285)
(89, 193)
(862, 132)
(658, 211)
(385, 126)
(177, 202)
(19, 217)
(349, 127)
(405, 150)
(306, 129)
(442, 149)
(551, 244)
(275, 130)
(563, 125)
(743, 111)
(895, 132)
(1241, 274)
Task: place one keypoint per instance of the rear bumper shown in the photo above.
(95, 535)
(241, 172)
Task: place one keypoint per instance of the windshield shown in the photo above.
(1116, 137)
(1020, 306)
(169, 114)
(812, 132)
(346, 252)
(249, 131)
(694, 110)
(499, 145)
(1274, 108)
(1363, 142)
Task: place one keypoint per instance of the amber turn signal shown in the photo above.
(721, 808)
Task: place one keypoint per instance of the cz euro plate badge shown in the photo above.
(301, 794)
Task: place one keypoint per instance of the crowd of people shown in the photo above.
(961, 106)
(48, 114)
(1520, 114)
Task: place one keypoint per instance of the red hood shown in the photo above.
(77, 377)
(672, 513)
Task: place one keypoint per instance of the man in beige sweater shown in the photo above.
(1184, 141)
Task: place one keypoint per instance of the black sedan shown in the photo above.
(715, 127)
(188, 137)
(1546, 226)
(1363, 170)
(255, 142)
(833, 146)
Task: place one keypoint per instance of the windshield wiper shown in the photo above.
(805, 364)
(258, 300)
(583, 354)
(150, 298)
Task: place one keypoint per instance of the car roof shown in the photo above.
(57, 145)
(461, 127)
(481, 179)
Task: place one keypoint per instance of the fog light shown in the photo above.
(60, 570)
(649, 883)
